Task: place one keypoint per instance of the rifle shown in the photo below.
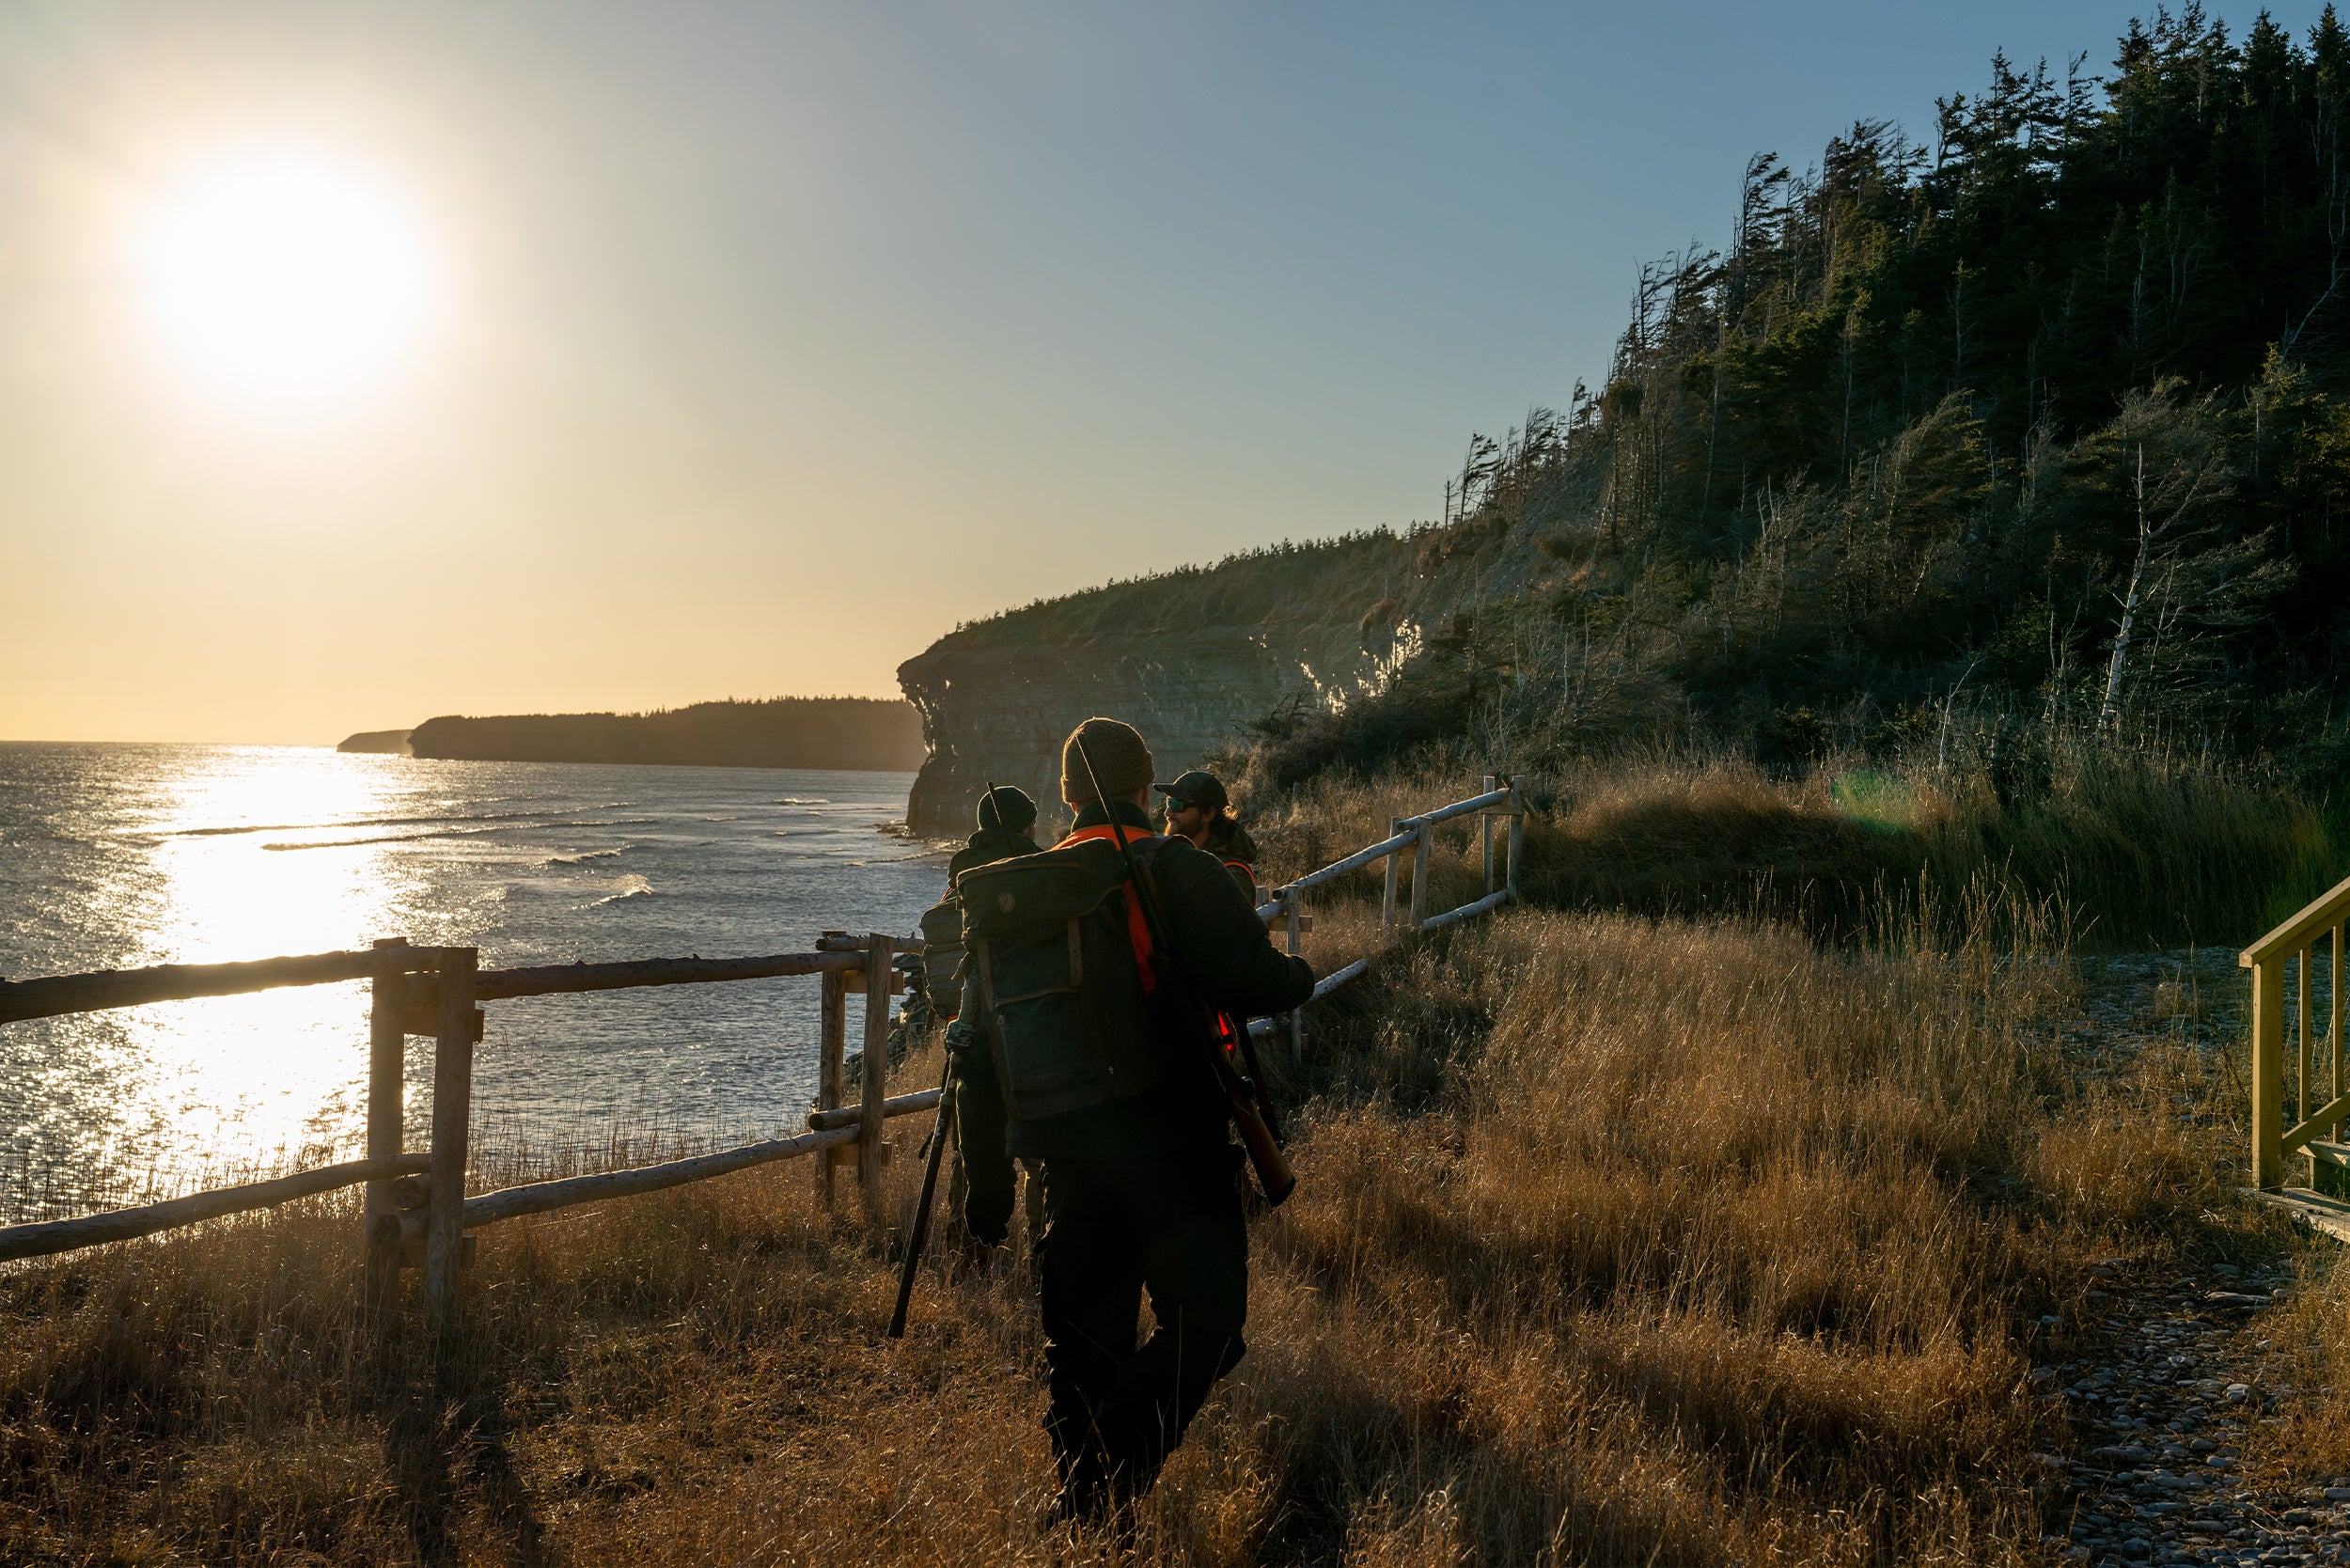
(1241, 1096)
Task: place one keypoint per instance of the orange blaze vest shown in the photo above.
(1137, 928)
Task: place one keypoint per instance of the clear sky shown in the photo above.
(650, 353)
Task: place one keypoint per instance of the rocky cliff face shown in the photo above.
(999, 714)
(1188, 658)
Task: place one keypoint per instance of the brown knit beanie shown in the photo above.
(1120, 756)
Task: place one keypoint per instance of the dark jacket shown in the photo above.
(1220, 944)
(986, 847)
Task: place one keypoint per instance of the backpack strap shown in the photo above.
(987, 976)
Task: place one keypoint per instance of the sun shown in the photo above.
(281, 275)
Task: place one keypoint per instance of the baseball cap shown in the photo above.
(1197, 788)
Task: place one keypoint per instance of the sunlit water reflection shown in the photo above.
(114, 857)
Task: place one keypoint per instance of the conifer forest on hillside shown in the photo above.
(2040, 424)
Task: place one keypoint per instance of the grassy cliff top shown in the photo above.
(776, 732)
(1315, 582)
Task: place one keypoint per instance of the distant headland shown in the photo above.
(392, 742)
(857, 732)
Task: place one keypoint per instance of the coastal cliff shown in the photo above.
(852, 732)
(1190, 657)
(387, 742)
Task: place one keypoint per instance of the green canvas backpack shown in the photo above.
(942, 956)
(1061, 992)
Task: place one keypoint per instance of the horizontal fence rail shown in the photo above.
(1490, 903)
(1323, 987)
(554, 980)
(58, 995)
(67, 1236)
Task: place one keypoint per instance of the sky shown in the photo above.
(665, 352)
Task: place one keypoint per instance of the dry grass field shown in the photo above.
(2131, 849)
(1621, 1241)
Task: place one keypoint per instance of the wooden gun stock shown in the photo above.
(1264, 1152)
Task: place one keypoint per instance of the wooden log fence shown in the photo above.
(1287, 906)
(415, 1210)
(2301, 1112)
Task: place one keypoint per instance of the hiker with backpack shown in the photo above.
(1080, 1045)
(1005, 818)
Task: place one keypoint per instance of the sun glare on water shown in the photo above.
(278, 276)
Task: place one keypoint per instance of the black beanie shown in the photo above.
(1008, 809)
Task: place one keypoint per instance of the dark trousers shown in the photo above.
(1170, 1224)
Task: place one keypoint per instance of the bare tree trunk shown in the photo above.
(2108, 714)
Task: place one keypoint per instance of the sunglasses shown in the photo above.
(1174, 806)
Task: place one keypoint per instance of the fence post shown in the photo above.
(387, 1045)
(1424, 860)
(2303, 1106)
(1517, 839)
(452, 1112)
(831, 1069)
(879, 951)
(1492, 782)
(1395, 865)
(2268, 1069)
(1294, 906)
(2333, 1032)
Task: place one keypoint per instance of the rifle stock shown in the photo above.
(1256, 1078)
(1241, 1095)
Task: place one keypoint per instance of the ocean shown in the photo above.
(114, 856)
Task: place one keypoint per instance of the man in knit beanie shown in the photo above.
(1006, 815)
(1120, 756)
(1140, 1189)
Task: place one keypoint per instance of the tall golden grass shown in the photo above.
(1620, 1240)
(2138, 849)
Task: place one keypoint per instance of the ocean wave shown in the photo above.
(627, 888)
(352, 822)
(796, 800)
(583, 856)
(378, 839)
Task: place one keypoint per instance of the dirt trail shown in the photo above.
(2164, 1388)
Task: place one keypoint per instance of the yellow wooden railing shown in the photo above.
(2279, 959)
